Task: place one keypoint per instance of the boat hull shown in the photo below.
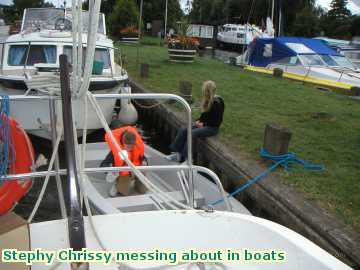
(34, 115)
(182, 230)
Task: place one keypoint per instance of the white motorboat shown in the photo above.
(241, 35)
(309, 58)
(29, 64)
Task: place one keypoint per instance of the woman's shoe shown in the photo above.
(173, 157)
(113, 191)
(111, 177)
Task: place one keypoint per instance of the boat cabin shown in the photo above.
(46, 34)
(291, 51)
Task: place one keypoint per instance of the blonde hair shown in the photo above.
(208, 93)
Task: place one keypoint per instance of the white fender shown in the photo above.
(128, 115)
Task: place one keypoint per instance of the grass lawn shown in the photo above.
(254, 99)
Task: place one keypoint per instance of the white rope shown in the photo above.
(148, 184)
(79, 45)
(74, 44)
(91, 44)
(41, 195)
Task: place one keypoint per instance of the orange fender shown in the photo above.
(12, 191)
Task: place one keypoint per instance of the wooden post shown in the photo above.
(185, 89)
(355, 91)
(144, 70)
(278, 73)
(276, 139)
(232, 61)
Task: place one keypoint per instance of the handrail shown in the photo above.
(189, 166)
(75, 219)
(90, 170)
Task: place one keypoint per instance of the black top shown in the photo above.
(214, 117)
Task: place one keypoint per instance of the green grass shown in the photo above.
(252, 100)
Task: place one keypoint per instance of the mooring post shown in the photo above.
(278, 73)
(185, 89)
(144, 70)
(276, 139)
(355, 91)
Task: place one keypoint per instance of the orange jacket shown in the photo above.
(136, 155)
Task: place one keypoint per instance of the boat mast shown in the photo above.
(272, 11)
(75, 219)
(280, 26)
(166, 18)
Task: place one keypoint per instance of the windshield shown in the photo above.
(311, 60)
(101, 55)
(343, 62)
(18, 54)
(329, 60)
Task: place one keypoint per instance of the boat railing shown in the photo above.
(188, 166)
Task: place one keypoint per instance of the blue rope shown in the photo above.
(286, 161)
(5, 136)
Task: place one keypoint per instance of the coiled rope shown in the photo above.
(287, 161)
(7, 153)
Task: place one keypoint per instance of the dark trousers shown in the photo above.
(180, 143)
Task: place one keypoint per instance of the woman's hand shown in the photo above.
(199, 124)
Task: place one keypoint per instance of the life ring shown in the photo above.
(11, 191)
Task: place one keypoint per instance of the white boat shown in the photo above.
(240, 35)
(132, 225)
(349, 49)
(309, 58)
(29, 65)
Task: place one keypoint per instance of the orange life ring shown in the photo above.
(12, 191)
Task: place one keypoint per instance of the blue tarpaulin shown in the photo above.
(264, 51)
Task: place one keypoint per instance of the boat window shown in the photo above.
(343, 62)
(329, 60)
(101, 55)
(233, 29)
(352, 54)
(240, 35)
(299, 47)
(37, 54)
(311, 60)
(293, 60)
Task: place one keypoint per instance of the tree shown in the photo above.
(125, 13)
(155, 10)
(16, 11)
(306, 23)
(336, 23)
(339, 10)
(355, 26)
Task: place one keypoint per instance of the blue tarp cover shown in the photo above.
(264, 51)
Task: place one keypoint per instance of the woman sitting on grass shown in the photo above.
(212, 108)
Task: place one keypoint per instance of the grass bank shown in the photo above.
(252, 100)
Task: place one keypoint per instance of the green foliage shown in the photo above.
(355, 26)
(306, 23)
(155, 10)
(16, 11)
(337, 22)
(300, 17)
(125, 14)
(338, 9)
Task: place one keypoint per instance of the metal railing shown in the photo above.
(190, 167)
